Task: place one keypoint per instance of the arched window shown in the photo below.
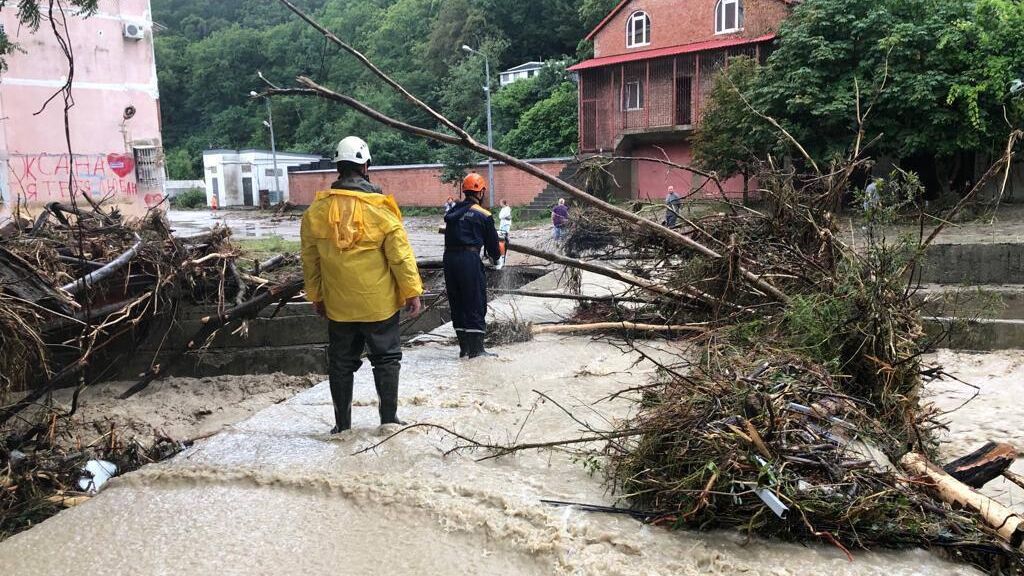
(728, 16)
(638, 30)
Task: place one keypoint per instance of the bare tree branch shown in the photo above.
(314, 89)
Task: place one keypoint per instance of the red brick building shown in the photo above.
(654, 62)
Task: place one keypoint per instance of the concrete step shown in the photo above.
(973, 264)
(1005, 302)
(978, 335)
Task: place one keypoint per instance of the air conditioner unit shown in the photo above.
(134, 31)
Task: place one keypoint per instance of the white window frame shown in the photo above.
(720, 9)
(639, 17)
(633, 100)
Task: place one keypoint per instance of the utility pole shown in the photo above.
(269, 123)
(490, 126)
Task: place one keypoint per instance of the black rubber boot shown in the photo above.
(476, 346)
(462, 344)
(386, 380)
(341, 394)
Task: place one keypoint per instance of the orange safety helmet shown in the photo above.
(474, 182)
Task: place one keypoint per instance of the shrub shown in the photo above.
(191, 198)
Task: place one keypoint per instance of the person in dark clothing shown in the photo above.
(560, 219)
(468, 228)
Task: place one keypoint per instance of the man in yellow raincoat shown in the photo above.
(360, 271)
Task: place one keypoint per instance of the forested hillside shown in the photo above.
(209, 56)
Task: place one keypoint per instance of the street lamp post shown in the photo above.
(490, 127)
(269, 123)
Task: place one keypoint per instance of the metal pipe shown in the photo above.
(273, 151)
(490, 131)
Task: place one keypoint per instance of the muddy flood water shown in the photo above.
(277, 495)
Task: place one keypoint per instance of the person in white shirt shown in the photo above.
(505, 218)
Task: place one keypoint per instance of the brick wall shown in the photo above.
(680, 22)
(650, 180)
(421, 185)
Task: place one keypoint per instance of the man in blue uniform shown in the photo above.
(468, 228)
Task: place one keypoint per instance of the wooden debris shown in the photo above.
(983, 465)
(1003, 521)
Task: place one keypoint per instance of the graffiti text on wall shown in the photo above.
(39, 178)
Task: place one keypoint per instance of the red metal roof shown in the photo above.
(670, 51)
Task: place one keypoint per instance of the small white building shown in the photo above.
(236, 177)
(521, 72)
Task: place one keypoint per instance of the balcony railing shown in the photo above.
(649, 95)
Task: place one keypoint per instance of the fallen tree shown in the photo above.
(807, 387)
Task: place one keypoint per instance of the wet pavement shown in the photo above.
(276, 494)
(426, 241)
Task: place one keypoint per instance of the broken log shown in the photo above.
(983, 465)
(19, 278)
(576, 297)
(272, 264)
(105, 272)
(1003, 521)
(610, 326)
(1014, 477)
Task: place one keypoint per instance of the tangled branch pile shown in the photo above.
(797, 406)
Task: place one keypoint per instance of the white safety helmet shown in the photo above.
(353, 149)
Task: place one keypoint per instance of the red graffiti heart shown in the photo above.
(121, 164)
(153, 199)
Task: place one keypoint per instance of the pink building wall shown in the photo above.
(652, 179)
(114, 156)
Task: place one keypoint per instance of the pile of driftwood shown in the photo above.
(80, 289)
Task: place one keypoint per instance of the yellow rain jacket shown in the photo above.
(356, 256)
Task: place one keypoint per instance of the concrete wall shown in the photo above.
(974, 264)
(174, 187)
(421, 185)
(111, 73)
(680, 22)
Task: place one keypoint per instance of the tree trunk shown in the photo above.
(610, 326)
(1003, 521)
(746, 188)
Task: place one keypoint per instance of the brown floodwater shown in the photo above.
(277, 495)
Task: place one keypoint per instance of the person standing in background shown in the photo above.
(672, 201)
(505, 218)
(560, 219)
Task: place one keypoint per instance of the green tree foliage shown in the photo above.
(731, 139)
(179, 166)
(944, 64)
(209, 57)
(547, 129)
